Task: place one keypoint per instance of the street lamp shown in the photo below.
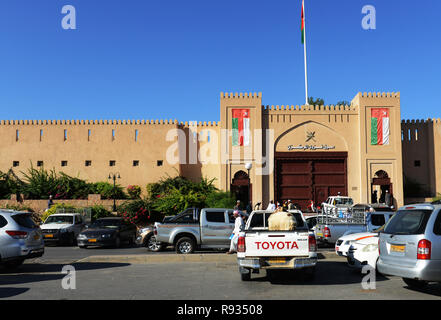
(248, 166)
(114, 176)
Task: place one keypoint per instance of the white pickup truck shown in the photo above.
(258, 248)
(337, 205)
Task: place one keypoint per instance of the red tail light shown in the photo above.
(155, 231)
(312, 244)
(327, 232)
(17, 234)
(241, 244)
(424, 250)
(379, 250)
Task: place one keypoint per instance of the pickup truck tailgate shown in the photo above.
(276, 244)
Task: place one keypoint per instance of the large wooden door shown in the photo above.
(305, 176)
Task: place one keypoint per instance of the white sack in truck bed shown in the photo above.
(281, 221)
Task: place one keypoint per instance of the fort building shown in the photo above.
(301, 153)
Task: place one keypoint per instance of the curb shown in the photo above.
(178, 258)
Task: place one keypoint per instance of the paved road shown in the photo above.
(196, 281)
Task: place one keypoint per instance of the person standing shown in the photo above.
(388, 199)
(290, 205)
(237, 206)
(374, 197)
(50, 202)
(271, 206)
(238, 227)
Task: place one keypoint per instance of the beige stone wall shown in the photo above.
(421, 143)
(70, 141)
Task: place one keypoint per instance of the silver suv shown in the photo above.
(20, 238)
(410, 245)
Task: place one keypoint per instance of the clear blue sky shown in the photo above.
(170, 59)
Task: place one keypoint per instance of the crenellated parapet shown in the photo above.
(380, 94)
(86, 122)
(241, 95)
(310, 108)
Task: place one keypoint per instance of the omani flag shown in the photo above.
(380, 126)
(241, 127)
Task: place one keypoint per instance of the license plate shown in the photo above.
(276, 260)
(48, 235)
(319, 234)
(36, 237)
(398, 248)
(92, 240)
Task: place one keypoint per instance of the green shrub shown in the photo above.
(139, 211)
(220, 199)
(107, 191)
(54, 208)
(99, 211)
(134, 191)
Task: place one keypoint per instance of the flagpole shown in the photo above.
(304, 47)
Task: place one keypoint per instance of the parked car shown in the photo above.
(344, 243)
(336, 205)
(194, 228)
(146, 238)
(20, 238)
(410, 246)
(62, 228)
(111, 231)
(363, 252)
(330, 228)
(259, 248)
(311, 221)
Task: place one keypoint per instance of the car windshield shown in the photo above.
(408, 222)
(343, 201)
(59, 220)
(107, 223)
(24, 220)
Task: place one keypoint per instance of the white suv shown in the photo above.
(62, 228)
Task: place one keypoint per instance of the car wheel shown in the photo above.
(309, 273)
(245, 274)
(185, 245)
(132, 240)
(82, 247)
(117, 242)
(13, 264)
(412, 283)
(152, 245)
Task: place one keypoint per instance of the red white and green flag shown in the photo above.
(241, 127)
(380, 126)
(302, 28)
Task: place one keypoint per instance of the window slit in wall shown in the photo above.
(402, 135)
(88, 134)
(416, 134)
(409, 136)
(113, 134)
(41, 134)
(17, 135)
(65, 134)
(136, 135)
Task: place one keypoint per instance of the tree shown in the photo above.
(316, 102)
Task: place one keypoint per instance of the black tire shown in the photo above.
(152, 245)
(417, 284)
(185, 245)
(117, 242)
(132, 240)
(13, 264)
(245, 276)
(309, 273)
